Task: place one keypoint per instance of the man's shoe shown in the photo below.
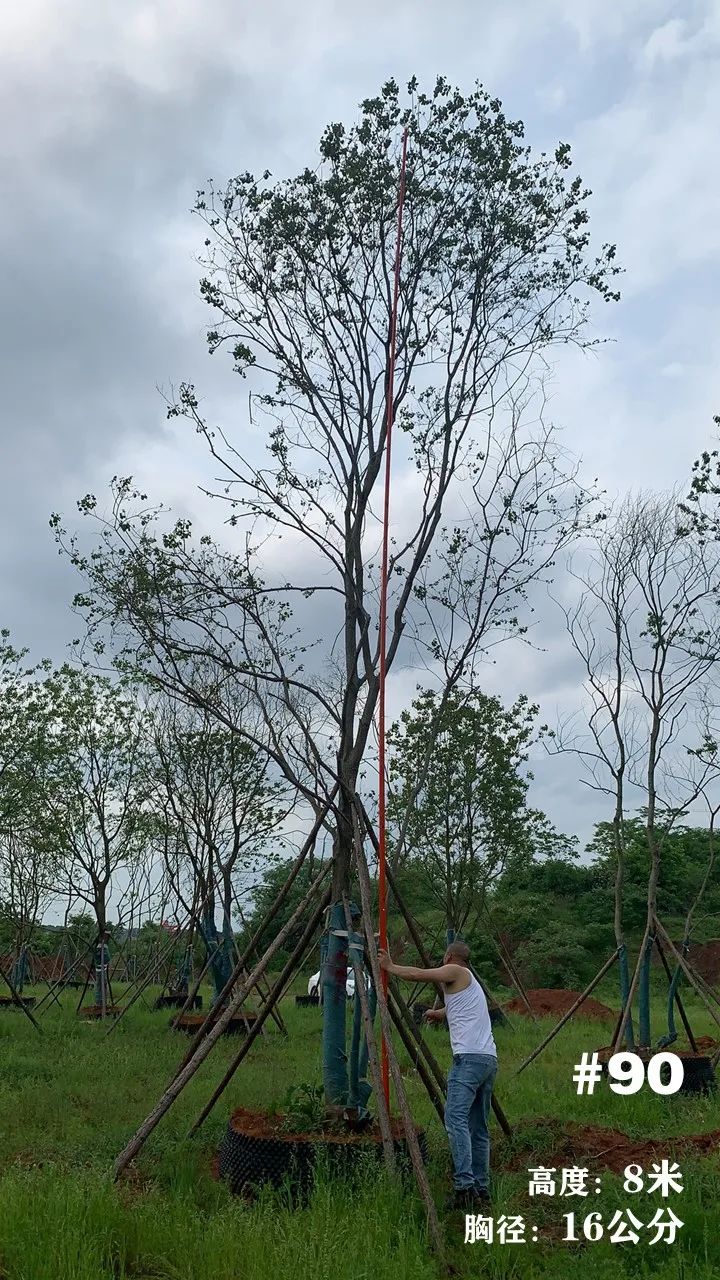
(464, 1201)
(482, 1195)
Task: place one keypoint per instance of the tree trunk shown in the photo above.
(623, 966)
(220, 966)
(677, 975)
(102, 955)
(100, 908)
(644, 1033)
(360, 1088)
(333, 975)
(333, 979)
(653, 880)
(20, 968)
(227, 942)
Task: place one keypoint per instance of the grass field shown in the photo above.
(70, 1099)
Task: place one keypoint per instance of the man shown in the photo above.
(472, 1075)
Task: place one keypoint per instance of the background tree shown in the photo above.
(95, 784)
(265, 894)
(699, 513)
(219, 811)
(554, 918)
(23, 735)
(607, 748)
(27, 873)
(27, 880)
(469, 815)
(683, 868)
(497, 269)
(705, 890)
(647, 629)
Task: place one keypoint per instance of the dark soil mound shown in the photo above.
(546, 1002)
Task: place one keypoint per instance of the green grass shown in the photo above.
(70, 1099)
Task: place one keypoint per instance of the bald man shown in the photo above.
(472, 1075)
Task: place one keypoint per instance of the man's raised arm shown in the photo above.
(445, 972)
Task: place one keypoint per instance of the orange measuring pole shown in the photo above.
(382, 882)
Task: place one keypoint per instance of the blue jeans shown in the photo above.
(467, 1110)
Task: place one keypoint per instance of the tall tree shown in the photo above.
(497, 269)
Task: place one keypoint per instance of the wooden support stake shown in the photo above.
(690, 975)
(239, 970)
(678, 1001)
(273, 995)
(508, 962)
(415, 1055)
(19, 1000)
(193, 990)
(374, 1065)
(422, 952)
(420, 1040)
(566, 1016)
(61, 983)
(49, 995)
(625, 1014)
(436, 1233)
(177, 1085)
(140, 988)
(263, 987)
(88, 975)
(702, 982)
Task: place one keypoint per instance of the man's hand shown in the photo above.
(384, 960)
(435, 1015)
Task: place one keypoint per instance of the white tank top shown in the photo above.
(468, 1020)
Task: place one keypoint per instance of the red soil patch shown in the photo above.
(706, 1042)
(598, 1148)
(254, 1124)
(702, 956)
(194, 1022)
(95, 1011)
(48, 968)
(705, 958)
(548, 1002)
(703, 1044)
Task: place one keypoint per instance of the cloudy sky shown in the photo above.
(114, 114)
